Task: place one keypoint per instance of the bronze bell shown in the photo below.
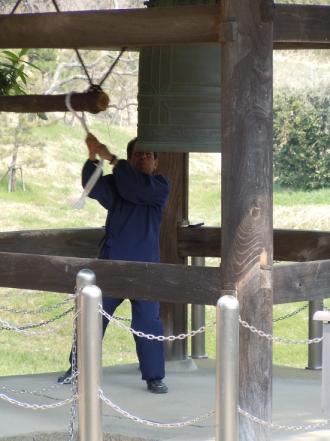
(179, 95)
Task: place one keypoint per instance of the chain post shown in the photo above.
(89, 337)
(198, 320)
(314, 331)
(324, 316)
(227, 371)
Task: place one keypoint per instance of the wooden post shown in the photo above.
(175, 167)
(246, 208)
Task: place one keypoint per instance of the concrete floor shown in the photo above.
(296, 401)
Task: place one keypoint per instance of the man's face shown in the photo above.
(144, 162)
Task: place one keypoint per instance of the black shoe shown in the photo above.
(157, 386)
(66, 377)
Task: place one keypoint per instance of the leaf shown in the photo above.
(11, 55)
(32, 65)
(23, 52)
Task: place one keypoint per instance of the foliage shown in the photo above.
(301, 140)
(13, 75)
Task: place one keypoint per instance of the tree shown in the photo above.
(13, 81)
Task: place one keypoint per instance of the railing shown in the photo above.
(89, 394)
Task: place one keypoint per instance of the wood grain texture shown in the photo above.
(112, 29)
(302, 281)
(246, 206)
(295, 26)
(165, 282)
(172, 283)
(174, 316)
(72, 242)
(93, 102)
(302, 26)
(289, 245)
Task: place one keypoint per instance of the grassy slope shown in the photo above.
(45, 204)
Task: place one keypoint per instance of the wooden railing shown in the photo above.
(50, 260)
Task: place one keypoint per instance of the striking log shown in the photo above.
(150, 281)
(112, 29)
(289, 245)
(246, 200)
(93, 102)
(301, 26)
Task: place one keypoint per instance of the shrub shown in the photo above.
(301, 140)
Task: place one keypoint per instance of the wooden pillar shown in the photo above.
(246, 206)
(175, 167)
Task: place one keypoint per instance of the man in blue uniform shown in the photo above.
(135, 197)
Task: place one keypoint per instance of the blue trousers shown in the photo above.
(145, 318)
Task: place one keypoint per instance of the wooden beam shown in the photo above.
(70, 242)
(164, 282)
(131, 28)
(289, 245)
(302, 281)
(301, 26)
(246, 200)
(93, 102)
(295, 26)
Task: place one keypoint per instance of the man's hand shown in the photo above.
(96, 148)
(92, 143)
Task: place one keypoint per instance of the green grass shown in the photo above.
(288, 197)
(46, 204)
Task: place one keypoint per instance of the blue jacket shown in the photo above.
(135, 202)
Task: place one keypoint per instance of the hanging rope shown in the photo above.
(81, 61)
(16, 6)
(112, 67)
(99, 166)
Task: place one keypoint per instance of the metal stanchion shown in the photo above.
(198, 320)
(84, 278)
(314, 331)
(323, 317)
(89, 338)
(227, 373)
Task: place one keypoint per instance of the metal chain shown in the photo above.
(36, 406)
(275, 339)
(126, 414)
(151, 336)
(48, 331)
(41, 310)
(290, 314)
(307, 427)
(13, 327)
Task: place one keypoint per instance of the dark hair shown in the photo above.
(130, 148)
